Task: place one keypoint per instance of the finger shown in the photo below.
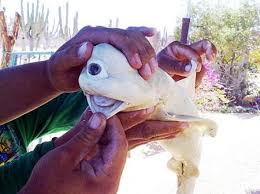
(89, 134)
(175, 59)
(199, 76)
(145, 30)
(147, 56)
(146, 51)
(151, 129)
(148, 69)
(136, 48)
(86, 114)
(71, 133)
(127, 44)
(133, 44)
(130, 119)
(134, 143)
(205, 47)
(145, 71)
(183, 52)
(174, 67)
(141, 54)
(153, 65)
(114, 152)
(85, 50)
(77, 56)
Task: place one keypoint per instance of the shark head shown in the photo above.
(111, 85)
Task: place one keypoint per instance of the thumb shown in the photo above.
(85, 50)
(88, 136)
(76, 55)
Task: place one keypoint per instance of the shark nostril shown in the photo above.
(94, 69)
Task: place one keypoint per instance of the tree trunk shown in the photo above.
(245, 59)
(185, 30)
(31, 44)
(8, 41)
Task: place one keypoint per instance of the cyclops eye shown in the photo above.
(94, 69)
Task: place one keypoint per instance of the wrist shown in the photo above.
(50, 77)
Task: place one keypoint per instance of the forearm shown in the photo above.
(24, 88)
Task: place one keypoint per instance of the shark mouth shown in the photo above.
(108, 106)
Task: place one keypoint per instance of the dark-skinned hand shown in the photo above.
(65, 170)
(175, 58)
(66, 63)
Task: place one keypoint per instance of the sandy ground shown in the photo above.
(230, 162)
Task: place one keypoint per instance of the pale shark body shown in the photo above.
(111, 86)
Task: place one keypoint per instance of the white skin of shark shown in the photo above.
(111, 86)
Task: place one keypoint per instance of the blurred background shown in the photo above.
(32, 30)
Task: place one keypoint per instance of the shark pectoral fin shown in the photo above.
(184, 118)
(209, 127)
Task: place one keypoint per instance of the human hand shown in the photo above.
(175, 58)
(66, 63)
(138, 130)
(65, 170)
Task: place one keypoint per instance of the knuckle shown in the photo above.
(208, 44)
(143, 53)
(206, 41)
(122, 34)
(64, 52)
(150, 50)
(86, 28)
(178, 66)
(175, 44)
(138, 34)
(129, 49)
(87, 136)
(83, 30)
(140, 115)
(145, 132)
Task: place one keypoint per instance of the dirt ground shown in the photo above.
(230, 162)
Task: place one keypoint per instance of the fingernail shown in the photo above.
(150, 110)
(82, 50)
(94, 121)
(147, 70)
(153, 64)
(137, 61)
(188, 68)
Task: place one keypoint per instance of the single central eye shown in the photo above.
(94, 69)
